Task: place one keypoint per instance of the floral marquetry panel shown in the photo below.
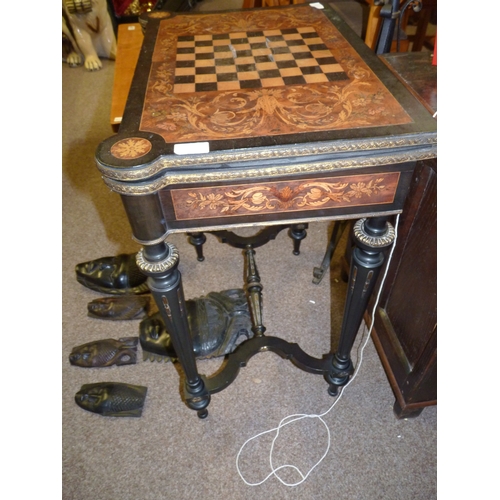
(283, 197)
(255, 73)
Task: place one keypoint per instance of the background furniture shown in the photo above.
(405, 331)
(129, 41)
(128, 11)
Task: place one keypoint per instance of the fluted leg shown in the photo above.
(372, 237)
(159, 262)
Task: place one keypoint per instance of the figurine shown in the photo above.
(70, 50)
(106, 352)
(126, 307)
(112, 399)
(93, 31)
(114, 275)
(216, 322)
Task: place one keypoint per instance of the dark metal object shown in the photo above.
(318, 272)
(217, 322)
(112, 399)
(126, 307)
(117, 275)
(106, 352)
(391, 13)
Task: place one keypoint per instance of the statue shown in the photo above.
(216, 322)
(93, 32)
(112, 399)
(70, 51)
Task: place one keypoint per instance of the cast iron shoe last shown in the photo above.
(114, 275)
(112, 399)
(125, 307)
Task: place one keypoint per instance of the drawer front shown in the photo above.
(284, 197)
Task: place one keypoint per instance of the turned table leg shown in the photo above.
(297, 233)
(197, 240)
(159, 262)
(371, 237)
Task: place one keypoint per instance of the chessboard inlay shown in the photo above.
(253, 59)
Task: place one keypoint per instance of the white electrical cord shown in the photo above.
(290, 419)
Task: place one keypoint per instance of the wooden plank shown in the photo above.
(129, 44)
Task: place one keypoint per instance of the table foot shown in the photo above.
(202, 414)
(197, 396)
(339, 372)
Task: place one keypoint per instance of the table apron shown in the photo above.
(218, 205)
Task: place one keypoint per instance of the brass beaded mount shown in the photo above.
(371, 241)
(161, 266)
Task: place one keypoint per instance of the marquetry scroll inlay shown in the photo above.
(276, 197)
(258, 72)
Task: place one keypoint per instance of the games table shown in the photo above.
(265, 118)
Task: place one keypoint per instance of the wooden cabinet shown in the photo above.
(405, 330)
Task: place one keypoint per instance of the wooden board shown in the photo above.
(129, 44)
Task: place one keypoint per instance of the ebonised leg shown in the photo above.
(254, 291)
(198, 239)
(159, 262)
(371, 237)
(318, 272)
(297, 233)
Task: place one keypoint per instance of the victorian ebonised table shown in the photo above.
(266, 118)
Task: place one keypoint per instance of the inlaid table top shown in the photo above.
(259, 94)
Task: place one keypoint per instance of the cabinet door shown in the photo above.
(406, 320)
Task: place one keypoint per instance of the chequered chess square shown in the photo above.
(253, 59)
